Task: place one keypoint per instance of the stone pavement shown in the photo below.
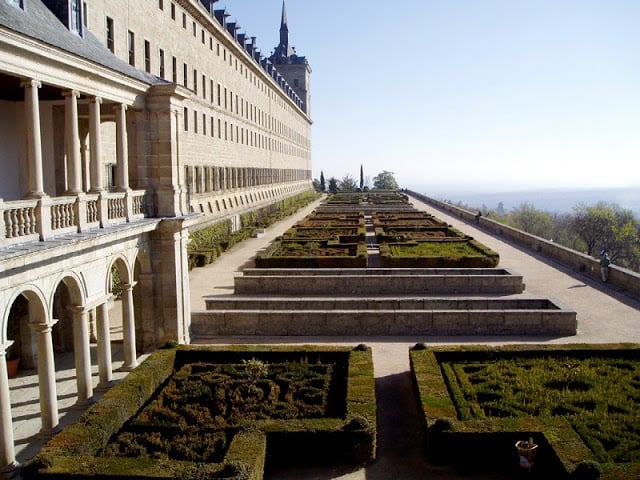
(604, 316)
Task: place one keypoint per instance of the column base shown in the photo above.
(128, 368)
(11, 471)
(104, 386)
(83, 404)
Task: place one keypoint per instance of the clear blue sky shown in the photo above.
(488, 94)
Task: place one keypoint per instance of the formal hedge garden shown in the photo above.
(438, 253)
(207, 244)
(579, 403)
(312, 254)
(205, 412)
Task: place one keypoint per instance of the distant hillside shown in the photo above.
(551, 200)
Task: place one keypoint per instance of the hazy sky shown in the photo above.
(479, 93)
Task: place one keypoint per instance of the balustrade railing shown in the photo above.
(63, 215)
(20, 219)
(40, 219)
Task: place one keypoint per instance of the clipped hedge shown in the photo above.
(441, 253)
(76, 452)
(272, 257)
(454, 423)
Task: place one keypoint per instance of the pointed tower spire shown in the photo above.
(284, 30)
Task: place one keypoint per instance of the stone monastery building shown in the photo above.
(124, 125)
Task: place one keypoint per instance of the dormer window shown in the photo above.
(17, 3)
(75, 16)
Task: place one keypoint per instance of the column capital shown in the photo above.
(96, 99)
(71, 93)
(30, 82)
(5, 346)
(120, 106)
(128, 286)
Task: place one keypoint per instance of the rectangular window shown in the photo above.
(219, 128)
(219, 95)
(173, 11)
(161, 4)
(147, 56)
(161, 70)
(195, 30)
(185, 75)
(204, 123)
(231, 100)
(16, 3)
(212, 124)
(195, 121)
(204, 86)
(195, 81)
(186, 119)
(225, 98)
(131, 46)
(75, 16)
(110, 44)
(84, 13)
(184, 20)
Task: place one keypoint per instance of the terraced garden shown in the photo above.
(580, 403)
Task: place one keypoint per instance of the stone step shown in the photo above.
(365, 323)
(374, 285)
(239, 302)
(447, 272)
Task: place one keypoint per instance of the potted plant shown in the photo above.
(527, 451)
(13, 364)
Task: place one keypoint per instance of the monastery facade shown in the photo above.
(124, 125)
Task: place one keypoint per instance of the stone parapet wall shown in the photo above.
(341, 285)
(384, 322)
(619, 277)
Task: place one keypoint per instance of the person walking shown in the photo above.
(605, 261)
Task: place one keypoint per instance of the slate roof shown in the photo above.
(38, 22)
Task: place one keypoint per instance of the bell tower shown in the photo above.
(294, 68)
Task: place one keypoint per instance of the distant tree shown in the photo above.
(361, 178)
(536, 222)
(385, 180)
(348, 184)
(317, 186)
(322, 183)
(333, 185)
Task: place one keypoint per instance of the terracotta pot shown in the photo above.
(12, 367)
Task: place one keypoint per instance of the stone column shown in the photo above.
(128, 327)
(8, 463)
(72, 143)
(34, 139)
(46, 377)
(105, 369)
(82, 355)
(122, 149)
(96, 148)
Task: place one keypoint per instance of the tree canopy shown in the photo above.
(385, 180)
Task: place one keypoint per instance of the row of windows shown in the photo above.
(235, 133)
(232, 60)
(206, 179)
(230, 102)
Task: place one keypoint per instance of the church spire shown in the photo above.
(284, 29)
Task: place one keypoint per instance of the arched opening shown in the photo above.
(22, 354)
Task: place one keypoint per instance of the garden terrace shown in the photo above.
(438, 253)
(200, 412)
(386, 234)
(372, 282)
(579, 403)
(360, 316)
(313, 254)
(337, 234)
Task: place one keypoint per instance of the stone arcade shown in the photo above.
(125, 125)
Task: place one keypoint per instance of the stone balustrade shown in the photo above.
(31, 220)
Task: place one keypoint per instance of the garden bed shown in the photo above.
(336, 234)
(438, 253)
(308, 254)
(415, 233)
(209, 413)
(580, 404)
